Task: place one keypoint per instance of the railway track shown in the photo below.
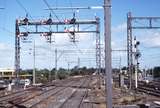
(16, 99)
(76, 99)
(69, 96)
(151, 88)
(36, 98)
(14, 94)
(148, 90)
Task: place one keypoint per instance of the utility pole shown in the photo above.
(17, 52)
(56, 63)
(78, 64)
(34, 69)
(68, 66)
(50, 75)
(120, 64)
(153, 72)
(108, 66)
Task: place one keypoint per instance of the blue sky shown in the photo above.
(149, 38)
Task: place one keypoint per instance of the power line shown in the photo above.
(71, 5)
(26, 11)
(7, 30)
(45, 1)
(20, 4)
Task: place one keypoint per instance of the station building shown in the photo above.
(7, 73)
(10, 74)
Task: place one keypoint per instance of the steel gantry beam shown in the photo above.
(47, 27)
(75, 8)
(136, 23)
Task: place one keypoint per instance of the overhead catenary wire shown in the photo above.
(45, 1)
(27, 12)
(7, 30)
(71, 5)
(20, 4)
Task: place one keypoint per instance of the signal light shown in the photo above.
(66, 21)
(137, 43)
(73, 20)
(25, 20)
(137, 54)
(49, 21)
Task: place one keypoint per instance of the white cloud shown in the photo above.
(62, 42)
(120, 28)
(152, 39)
(6, 55)
(4, 47)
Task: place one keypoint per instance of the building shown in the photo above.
(7, 73)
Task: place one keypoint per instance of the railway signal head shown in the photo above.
(66, 21)
(73, 20)
(137, 54)
(25, 20)
(137, 43)
(49, 21)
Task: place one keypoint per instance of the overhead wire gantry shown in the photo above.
(49, 27)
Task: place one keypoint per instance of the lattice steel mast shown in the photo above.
(132, 23)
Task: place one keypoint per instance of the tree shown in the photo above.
(156, 72)
(62, 73)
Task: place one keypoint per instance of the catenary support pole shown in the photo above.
(56, 64)
(129, 49)
(108, 67)
(34, 69)
(17, 52)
